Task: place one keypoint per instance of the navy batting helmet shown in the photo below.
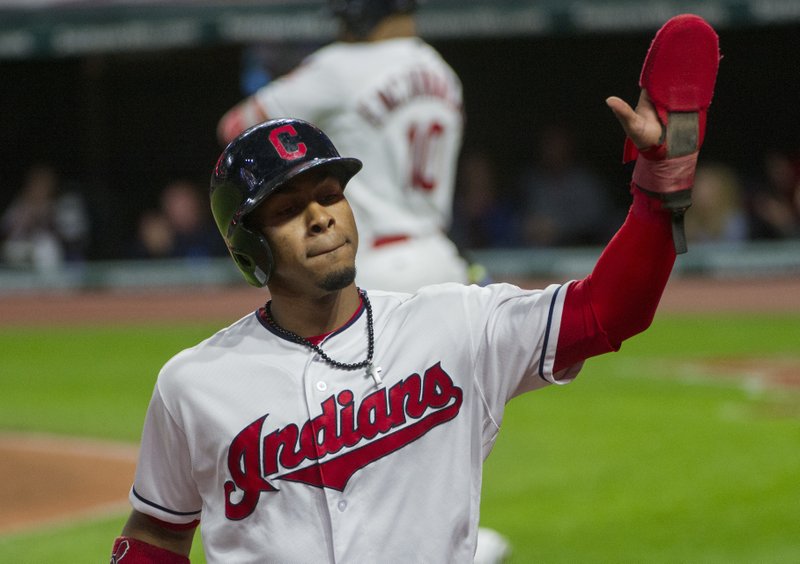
(253, 166)
(360, 16)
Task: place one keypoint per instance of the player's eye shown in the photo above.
(330, 198)
(289, 211)
(283, 207)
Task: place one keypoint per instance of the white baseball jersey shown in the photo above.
(397, 106)
(287, 459)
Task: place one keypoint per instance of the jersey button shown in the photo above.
(342, 505)
(322, 386)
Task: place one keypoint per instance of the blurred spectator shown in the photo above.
(481, 216)
(45, 225)
(775, 200)
(154, 236)
(181, 227)
(717, 213)
(72, 223)
(564, 203)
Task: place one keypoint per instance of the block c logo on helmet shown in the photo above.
(283, 139)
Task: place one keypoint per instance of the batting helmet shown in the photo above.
(360, 16)
(253, 166)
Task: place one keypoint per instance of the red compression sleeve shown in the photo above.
(128, 550)
(619, 298)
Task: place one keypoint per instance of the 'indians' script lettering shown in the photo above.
(384, 422)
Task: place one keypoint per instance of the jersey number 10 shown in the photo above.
(424, 147)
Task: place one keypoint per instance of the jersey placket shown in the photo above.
(339, 391)
(319, 389)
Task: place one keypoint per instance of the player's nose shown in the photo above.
(319, 218)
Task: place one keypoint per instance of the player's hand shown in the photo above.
(642, 124)
(231, 125)
(246, 113)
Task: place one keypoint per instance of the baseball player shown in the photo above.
(385, 96)
(341, 424)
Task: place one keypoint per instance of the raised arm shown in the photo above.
(245, 114)
(664, 134)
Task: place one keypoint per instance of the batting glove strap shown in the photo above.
(128, 550)
(670, 183)
(667, 176)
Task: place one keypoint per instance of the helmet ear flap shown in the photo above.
(252, 255)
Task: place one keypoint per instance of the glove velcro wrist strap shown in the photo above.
(670, 181)
(663, 177)
(128, 550)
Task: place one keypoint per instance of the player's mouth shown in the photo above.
(326, 248)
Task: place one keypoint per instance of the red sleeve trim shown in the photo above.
(174, 526)
(580, 335)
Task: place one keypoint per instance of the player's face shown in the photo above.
(312, 235)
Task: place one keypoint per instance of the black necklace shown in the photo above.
(372, 370)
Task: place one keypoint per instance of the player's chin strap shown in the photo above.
(128, 550)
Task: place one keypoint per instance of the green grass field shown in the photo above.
(648, 457)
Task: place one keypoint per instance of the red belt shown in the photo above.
(389, 239)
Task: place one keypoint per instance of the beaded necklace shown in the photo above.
(372, 370)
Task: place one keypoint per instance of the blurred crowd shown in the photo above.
(557, 200)
(49, 225)
(554, 200)
(46, 224)
(180, 227)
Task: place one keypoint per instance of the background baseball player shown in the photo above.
(340, 425)
(385, 96)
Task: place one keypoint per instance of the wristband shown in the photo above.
(128, 550)
(667, 176)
